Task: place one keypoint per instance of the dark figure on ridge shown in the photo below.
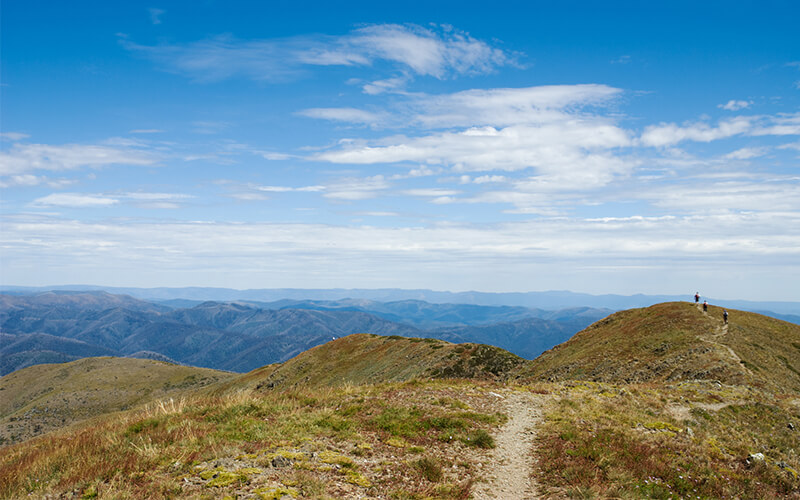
(697, 297)
(725, 316)
(705, 306)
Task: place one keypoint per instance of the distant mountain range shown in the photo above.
(549, 300)
(59, 326)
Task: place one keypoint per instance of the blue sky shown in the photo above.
(597, 147)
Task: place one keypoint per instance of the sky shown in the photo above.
(598, 147)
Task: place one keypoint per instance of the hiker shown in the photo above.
(725, 316)
(705, 306)
(697, 297)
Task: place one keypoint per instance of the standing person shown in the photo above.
(725, 316)
(697, 297)
(705, 306)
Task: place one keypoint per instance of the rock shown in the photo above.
(689, 432)
(790, 426)
(755, 458)
(280, 461)
(782, 464)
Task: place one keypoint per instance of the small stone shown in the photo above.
(790, 426)
(755, 458)
(689, 432)
(782, 464)
(280, 461)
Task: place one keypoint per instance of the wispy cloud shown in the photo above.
(746, 153)
(438, 52)
(287, 189)
(30, 180)
(348, 115)
(146, 131)
(675, 247)
(24, 158)
(155, 15)
(734, 105)
(93, 200)
(353, 189)
(553, 130)
(74, 200)
(667, 134)
(13, 136)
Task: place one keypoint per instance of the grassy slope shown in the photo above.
(365, 358)
(651, 433)
(675, 341)
(44, 397)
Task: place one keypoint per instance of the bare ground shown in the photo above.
(508, 472)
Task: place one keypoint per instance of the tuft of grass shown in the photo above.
(480, 439)
(429, 468)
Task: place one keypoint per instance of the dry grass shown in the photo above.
(605, 441)
(334, 442)
(41, 398)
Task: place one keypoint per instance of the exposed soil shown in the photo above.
(721, 331)
(508, 472)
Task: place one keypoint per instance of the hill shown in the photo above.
(368, 359)
(676, 341)
(649, 403)
(44, 397)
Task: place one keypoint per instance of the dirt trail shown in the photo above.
(508, 475)
(721, 331)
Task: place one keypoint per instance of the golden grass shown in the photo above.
(681, 441)
(205, 444)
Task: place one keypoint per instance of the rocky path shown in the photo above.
(509, 472)
(719, 332)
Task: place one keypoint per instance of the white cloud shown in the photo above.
(24, 158)
(782, 124)
(429, 52)
(350, 115)
(139, 199)
(13, 136)
(549, 149)
(431, 192)
(437, 52)
(511, 106)
(768, 196)
(668, 134)
(286, 189)
(30, 180)
(483, 179)
(552, 130)
(746, 153)
(386, 85)
(506, 256)
(276, 156)
(734, 105)
(75, 200)
(353, 189)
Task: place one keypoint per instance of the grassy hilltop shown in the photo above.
(660, 402)
(676, 341)
(41, 398)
